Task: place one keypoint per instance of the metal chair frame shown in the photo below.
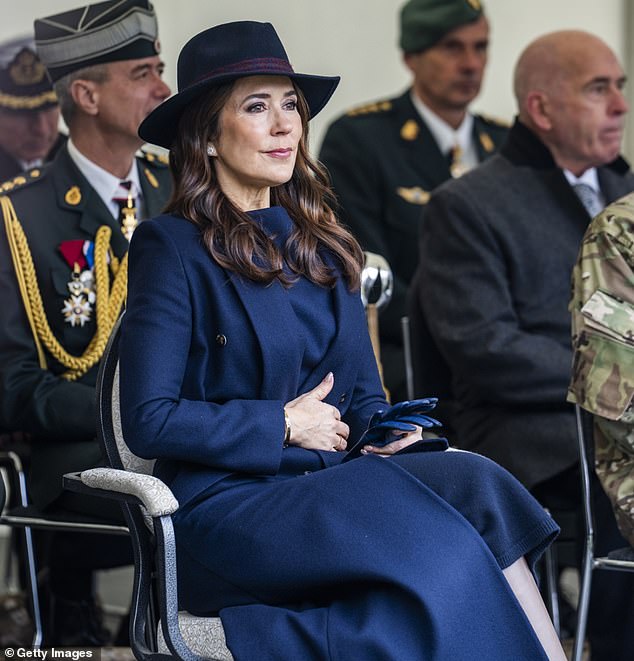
(154, 606)
(26, 517)
(590, 561)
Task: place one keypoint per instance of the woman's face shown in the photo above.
(258, 135)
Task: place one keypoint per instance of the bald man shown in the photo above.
(497, 249)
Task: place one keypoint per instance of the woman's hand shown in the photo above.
(401, 441)
(316, 425)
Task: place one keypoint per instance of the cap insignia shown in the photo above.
(151, 178)
(409, 130)
(475, 4)
(486, 142)
(27, 69)
(73, 196)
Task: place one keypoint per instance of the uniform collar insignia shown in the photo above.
(486, 142)
(73, 196)
(410, 130)
(151, 178)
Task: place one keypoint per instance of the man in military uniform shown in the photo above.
(497, 247)
(602, 382)
(63, 266)
(29, 114)
(29, 136)
(386, 157)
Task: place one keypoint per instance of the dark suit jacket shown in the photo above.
(496, 255)
(216, 392)
(384, 163)
(59, 414)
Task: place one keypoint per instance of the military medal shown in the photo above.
(128, 220)
(78, 307)
(125, 200)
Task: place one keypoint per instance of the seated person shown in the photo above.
(247, 370)
(603, 340)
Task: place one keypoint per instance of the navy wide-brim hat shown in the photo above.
(224, 53)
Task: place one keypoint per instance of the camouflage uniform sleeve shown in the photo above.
(602, 308)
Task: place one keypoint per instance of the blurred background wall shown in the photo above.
(357, 39)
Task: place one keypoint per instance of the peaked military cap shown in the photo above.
(95, 34)
(425, 22)
(24, 85)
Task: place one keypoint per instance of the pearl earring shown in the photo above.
(211, 150)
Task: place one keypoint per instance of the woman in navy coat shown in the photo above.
(247, 370)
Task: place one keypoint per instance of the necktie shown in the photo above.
(126, 202)
(589, 198)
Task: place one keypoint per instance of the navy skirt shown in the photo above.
(397, 558)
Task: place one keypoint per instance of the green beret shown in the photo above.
(425, 22)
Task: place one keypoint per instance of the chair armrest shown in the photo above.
(154, 494)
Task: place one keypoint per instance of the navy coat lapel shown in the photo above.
(340, 353)
(275, 326)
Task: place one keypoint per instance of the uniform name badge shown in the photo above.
(78, 307)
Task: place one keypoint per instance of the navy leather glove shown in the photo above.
(403, 417)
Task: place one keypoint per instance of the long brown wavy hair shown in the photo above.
(231, 236)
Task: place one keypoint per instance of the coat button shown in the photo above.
(221, 339)
(342, 399)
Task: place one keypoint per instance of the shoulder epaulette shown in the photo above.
(496, 121)
(21, 180)
(155, 158)
(370, 108)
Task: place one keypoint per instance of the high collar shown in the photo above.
(523, 147)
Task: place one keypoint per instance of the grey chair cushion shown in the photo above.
(203, 635)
